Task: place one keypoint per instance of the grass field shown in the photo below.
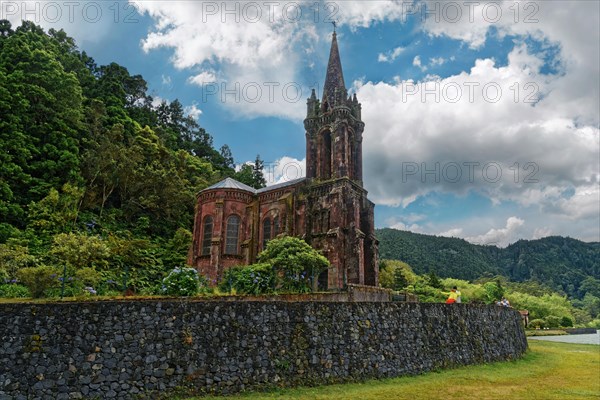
(548, 371)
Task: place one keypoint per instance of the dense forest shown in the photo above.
(94, 172)
(566, 265)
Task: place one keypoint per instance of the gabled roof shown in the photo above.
(230, 183)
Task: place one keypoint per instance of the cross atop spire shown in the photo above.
(335, 77)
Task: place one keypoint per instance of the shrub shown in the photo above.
(395, 275)
(425, 292)
(109, 285)
(542, 306)
(80, 250)
(581, 317)
(566, 322)
(14, 257)
(476, 296)
(552, 321)
(386, 276)
(594, 324)
(537, 323)
(88, 277)
(14, 291)
(84, 282)
(252, 279)
(493, 291)
(71, 290)
(137, 260)
(38, 279)
(182, 281)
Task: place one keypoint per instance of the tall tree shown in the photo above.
(227, 157)
(257, 173)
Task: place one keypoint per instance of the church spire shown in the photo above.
(335, 77)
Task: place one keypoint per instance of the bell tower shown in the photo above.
(334, 128)
(339, 217)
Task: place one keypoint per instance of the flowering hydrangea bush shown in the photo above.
(90, 291)
(182, 281)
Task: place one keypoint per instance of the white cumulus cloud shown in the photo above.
(203, 78)
(501, 237)
(498, 131)
(192, 111)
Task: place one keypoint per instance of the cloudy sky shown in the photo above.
(482, 118)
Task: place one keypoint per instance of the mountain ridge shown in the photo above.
(565, 264)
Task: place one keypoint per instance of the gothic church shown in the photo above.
(329, 208)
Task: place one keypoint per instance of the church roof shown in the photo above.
(230, 183)
(335, 77)
(280, 185)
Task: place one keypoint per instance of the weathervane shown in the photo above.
(333, 23)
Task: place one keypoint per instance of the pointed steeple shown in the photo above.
(335, 77)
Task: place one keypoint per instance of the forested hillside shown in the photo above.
(564, 264)
(94, 173)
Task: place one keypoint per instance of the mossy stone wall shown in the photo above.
(132, 349)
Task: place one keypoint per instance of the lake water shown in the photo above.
(579, 339)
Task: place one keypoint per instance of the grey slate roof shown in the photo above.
(229, 183)
(280, 185)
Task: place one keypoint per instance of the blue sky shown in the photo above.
(481, 122)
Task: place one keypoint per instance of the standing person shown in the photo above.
(454, 294)
(458, 295)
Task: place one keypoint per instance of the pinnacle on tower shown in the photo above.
(335, 77)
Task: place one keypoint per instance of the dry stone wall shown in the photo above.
(136, 349)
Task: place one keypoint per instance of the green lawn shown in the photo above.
(548, 371)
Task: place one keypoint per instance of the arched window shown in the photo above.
(266, 232)
(207, 235)
(276, 226)
(232, 238)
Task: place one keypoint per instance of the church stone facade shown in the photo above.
(329, 208)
